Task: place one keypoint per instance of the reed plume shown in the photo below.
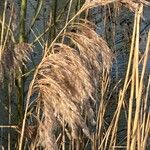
(66, 81)
(12, 59)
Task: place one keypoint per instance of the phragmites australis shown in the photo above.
(13, 58)
(66, 81)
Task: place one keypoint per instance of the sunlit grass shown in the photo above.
(71, 101)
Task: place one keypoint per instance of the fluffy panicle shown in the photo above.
(93, 49)
(13, 58)
(66, 82)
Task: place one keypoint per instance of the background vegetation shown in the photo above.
(74, 74)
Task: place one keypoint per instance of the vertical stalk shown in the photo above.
(22, 38)
(63, 135)
(2, 28)
(132, 86)
(78, 5)
(55, 17)
(20, 80)
(9, 115)
(137, 88)
(22, 21)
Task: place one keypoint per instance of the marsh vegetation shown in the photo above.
(74, 75)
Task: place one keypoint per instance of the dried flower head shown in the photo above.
(13, 58)
(66, 80)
